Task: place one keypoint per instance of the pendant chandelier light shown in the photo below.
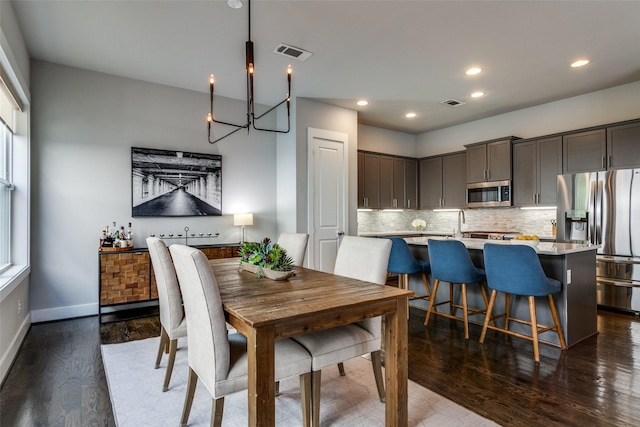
(251, 117)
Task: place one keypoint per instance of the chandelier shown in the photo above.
(251, 118)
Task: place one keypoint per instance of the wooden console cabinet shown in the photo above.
(126, 277)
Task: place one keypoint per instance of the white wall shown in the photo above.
(597, 108)
(386, 141)
(84, 125)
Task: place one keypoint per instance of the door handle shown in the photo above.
(339, 234)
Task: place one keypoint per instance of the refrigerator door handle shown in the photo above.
(592, 208)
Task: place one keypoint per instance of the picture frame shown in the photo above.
(175, 183)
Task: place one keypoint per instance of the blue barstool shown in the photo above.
(516, 270)
(402, 262)
(450, 262)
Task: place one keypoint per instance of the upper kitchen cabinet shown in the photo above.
(368, 180)
(536, 165)
(584, 151)
(623, 146)
(489, 161)
(442, 182)
(387, 182)
(398, 183)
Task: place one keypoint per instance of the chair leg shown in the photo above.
(451, 308)
(483, 291)
(425, 280)
(341, 369)
(316, 378)
(487, 316)
(305, 397)
(192, 382)
(217, 409)
(507, 311)
(465, 310)
(376, 362)
(173, 348)
(436, 283)
(163, 340)
(556, 322)
(534, 328)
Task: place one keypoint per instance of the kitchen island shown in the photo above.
(573, 265)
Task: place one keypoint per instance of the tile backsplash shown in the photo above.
(483, 219)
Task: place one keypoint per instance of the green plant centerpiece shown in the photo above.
(266, 259)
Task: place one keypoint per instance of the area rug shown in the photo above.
(138, 401)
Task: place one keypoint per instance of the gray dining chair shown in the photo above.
(364, 259)
(219, 359)
(173, 324)
(296, 246)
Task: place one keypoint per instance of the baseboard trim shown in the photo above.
(12, 351)
(59, 313)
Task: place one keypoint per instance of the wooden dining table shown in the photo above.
(264, 311)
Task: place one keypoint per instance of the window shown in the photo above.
(7, 108)
(6, 187)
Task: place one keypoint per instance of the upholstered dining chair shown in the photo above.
(173, 324)
(516, 270)
(450, 262)
(219, 359)
(296, 246)
(403, 263)
(359, 258)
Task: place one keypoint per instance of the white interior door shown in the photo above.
(327, 196)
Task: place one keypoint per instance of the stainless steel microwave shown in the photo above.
(489, 194)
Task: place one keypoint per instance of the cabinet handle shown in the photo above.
(604, 165)
(442, 202)
(366, 202)
(408, 203)
(609, 160)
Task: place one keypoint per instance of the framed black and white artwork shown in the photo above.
(175, 183)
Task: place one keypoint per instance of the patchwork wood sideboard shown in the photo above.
(127, 281)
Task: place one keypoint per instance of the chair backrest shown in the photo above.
(401, 259)
(209, 354)
(296, 246)
(169, 297)
(450, 262)
(364, 258)
(516, 269)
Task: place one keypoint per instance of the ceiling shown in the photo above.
(400, 55)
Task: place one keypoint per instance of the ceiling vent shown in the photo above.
(292, 52)
(453, 103)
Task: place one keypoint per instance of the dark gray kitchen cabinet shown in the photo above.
(411, 184)
(489, 161)
(368, 180)
(443, 182)
(623, 146)
(536, 165)
(584, 151)
(386, 182)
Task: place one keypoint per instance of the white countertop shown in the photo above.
(407, 233)
(544, 248)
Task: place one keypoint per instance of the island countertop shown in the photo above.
(544, 248)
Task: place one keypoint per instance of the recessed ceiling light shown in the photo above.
(234, 4)
(473, 71)
(362, 102)
(580, 63)
(477, 94)
(410, 115)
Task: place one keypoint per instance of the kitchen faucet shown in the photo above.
(461, 220)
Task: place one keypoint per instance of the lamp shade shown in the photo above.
(243, 219)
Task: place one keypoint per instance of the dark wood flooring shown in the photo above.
(58, 378)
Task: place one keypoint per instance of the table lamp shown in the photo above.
(242, 220)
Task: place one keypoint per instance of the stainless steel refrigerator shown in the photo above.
(603, 208)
